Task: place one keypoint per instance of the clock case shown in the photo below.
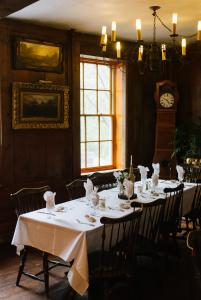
(165, 128)
(166, 86)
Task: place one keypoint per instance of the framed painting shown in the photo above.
(39, 105)
(38, 56)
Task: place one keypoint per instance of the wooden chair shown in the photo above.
(26, 200)
(149, 227)
(195, 213)
(117, 255)
(171, 219)
(192, 173)
(75, 189)
(103, 181)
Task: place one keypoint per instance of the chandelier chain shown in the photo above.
(154, 29)
(162, 23)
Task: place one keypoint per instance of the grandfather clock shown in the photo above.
(166, 98)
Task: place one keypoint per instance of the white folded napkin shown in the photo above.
(94, 197)
(156, 168)
(180, 172)
(88, 187)
(129, 187)
(49, 197)
(143, 172)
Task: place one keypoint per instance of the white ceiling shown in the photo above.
(89, 15)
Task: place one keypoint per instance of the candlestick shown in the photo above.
(138, 29)
(174, 23)
(140, 53)
(163, 51)
(183, 47)
(114, 28)
(104, 32)
(131, 175)
(118, 47)
(199, 31)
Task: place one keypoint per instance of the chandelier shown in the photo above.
(152, 54)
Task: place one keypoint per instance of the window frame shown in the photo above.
(112, 65)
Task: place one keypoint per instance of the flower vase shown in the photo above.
(121, 189)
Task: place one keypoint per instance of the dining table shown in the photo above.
(73, 229)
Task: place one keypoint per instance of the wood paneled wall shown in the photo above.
(36, 157)
(33, 157)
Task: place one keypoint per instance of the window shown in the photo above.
(97, 117)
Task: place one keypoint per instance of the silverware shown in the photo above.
(118, 209)
(46, 213)
(85, 223)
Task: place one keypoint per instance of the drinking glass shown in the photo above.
(50, 206)
(94, 201)
(129, 194)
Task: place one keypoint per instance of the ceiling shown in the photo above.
(89, 16)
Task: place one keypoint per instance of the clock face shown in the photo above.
(166, 100)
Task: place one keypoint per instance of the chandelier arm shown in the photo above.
(180, 35)
(187, 36)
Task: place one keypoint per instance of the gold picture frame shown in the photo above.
(38, 56)
(39, 106)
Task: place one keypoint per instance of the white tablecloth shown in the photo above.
(62, 236)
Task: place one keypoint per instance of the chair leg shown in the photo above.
(23, 257)
(46, 273)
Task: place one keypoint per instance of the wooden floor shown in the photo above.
(173, 283)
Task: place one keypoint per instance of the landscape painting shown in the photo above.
(38, 56)
(39, 106)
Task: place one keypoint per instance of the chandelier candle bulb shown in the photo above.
(104, 32)
(138, 29)
(114, 30)
(104, 45)
(163, 51)
(183, 47)
(118, 47)
(140, 53)
(199, 31)
(174, 23)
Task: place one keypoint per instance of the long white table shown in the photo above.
(62, 235)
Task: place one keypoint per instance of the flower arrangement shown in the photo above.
(120, 176)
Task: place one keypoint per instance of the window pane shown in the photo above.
(89, 76)
(81, 75)
(90, 103)
(92, 129)
(105, 128)
(81, 102)
(92, 154)
(103, 77)
(103, 102)
(83, 155)
(82, 129)
(105, 153)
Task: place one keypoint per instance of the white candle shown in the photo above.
(138, 29)
(174, 23)
(104, 32)
(131, 160)
(199, 31)
(163, 51)
(114, 28)
(183, 47)
(140, 53)
(118, 47)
